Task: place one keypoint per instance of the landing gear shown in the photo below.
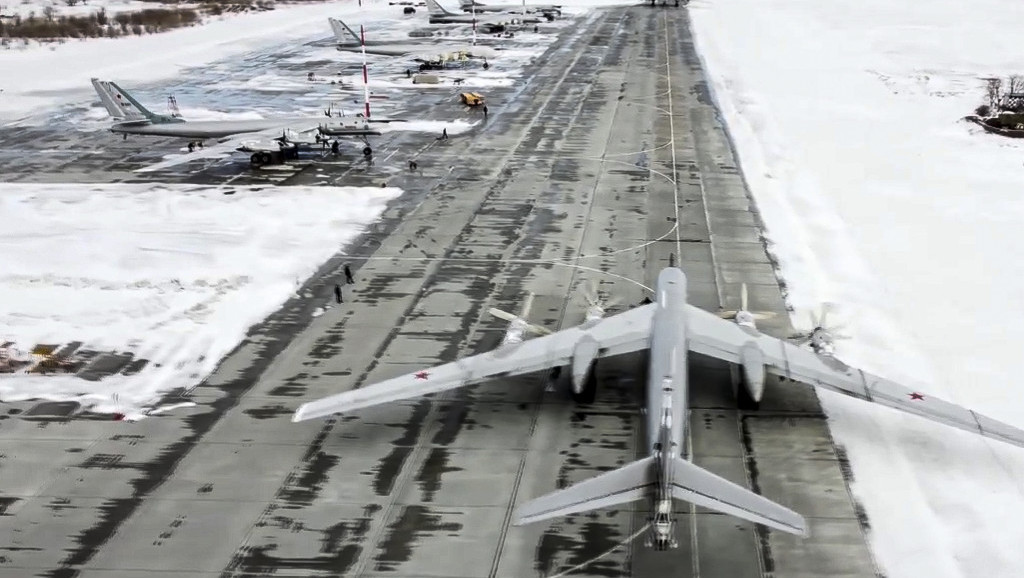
(367, 151)
(191, 146)
(260, 159)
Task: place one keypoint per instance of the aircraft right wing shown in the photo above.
(716, 337)
(622, 333)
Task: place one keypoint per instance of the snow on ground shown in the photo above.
(173, 273)
(70, 65)
(877, 197)
(61, 8)
(453, 127)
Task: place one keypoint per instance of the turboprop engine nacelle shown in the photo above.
(583, 356)
(752, 364)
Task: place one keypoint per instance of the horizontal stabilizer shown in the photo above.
(621, 486)
(699, 486)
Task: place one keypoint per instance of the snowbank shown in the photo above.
(173, 273)
(846, 117)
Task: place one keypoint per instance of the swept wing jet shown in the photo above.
(262, 138)
(488, 24)
(349, 41)
(670, 328)
(130, 117)
(473, 6)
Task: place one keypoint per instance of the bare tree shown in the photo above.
(994, 92)
(1016, 84)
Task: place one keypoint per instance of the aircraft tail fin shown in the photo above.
(699, 486)
(116, 104)
(343, 33)
(132, 109)
(468, 4)
(435, 9)
(626, 484)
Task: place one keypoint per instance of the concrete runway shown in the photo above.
(583, 172)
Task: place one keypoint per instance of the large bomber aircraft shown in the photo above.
(130, 117)
(488, 24)
(670, 328)
(267, 137)
(473, 6)
(349, 41)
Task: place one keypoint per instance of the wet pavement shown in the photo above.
(602, 165)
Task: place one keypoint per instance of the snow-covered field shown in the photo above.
(846, 116)
(69, 66)
(38, 77)
(175, 274)
(24, 8)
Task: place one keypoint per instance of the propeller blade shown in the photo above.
(590, 292)
(501, 314)
(743, 297)
(538, 330)
(801, 340)
(814, 318)
(761, 315)
(841, 337)
(825, 308)
(727, 314)
(526, 306)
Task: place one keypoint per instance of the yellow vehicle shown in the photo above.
(471, 98)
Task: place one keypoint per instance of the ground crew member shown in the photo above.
(348, 274)
(334, 147)
(485, 111)
(408, 73)
(444, 133)
(337, 293)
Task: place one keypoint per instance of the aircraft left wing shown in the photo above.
(623, 333)
(220, 150)
(722, 339)
(263, 140)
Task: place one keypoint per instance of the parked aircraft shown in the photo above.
(473, 6)
(349, 41)
(488, 24)
(670, 328)
(132, 118)
(267, 140)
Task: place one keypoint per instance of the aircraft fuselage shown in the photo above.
(667, 397)
(201, 129)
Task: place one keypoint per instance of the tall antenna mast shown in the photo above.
(474, 21)
(366, 79)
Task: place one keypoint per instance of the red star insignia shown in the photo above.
(916, 395)
(422, 375)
